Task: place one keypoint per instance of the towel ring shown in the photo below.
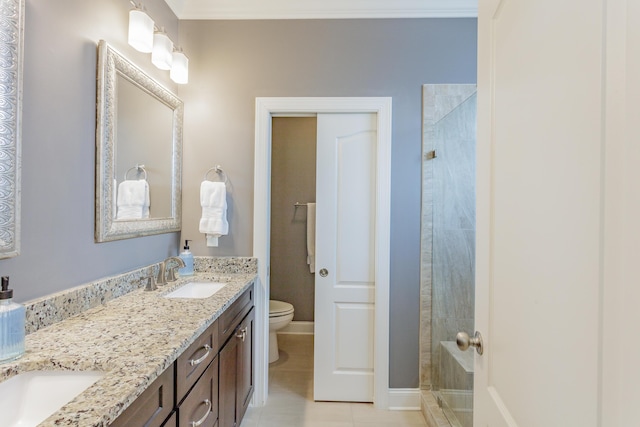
(217, 170)
(138, 168)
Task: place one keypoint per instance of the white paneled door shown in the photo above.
(345, 253)
(541, 203)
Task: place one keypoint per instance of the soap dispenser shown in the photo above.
(187, 257)
(12, 317)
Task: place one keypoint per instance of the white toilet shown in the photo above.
(280, 314)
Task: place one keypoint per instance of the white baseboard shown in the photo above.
(404, 399)
(298, 327)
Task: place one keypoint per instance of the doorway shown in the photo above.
(266, 108)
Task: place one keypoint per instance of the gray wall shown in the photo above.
(58, 157)
(293, 179)
(233, 62)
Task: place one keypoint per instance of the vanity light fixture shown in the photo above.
(180, 67)
(162, 53)
(141, 28)
(145, 37)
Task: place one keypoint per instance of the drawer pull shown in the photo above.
(203, 419)
(194, 362)
(242, 334)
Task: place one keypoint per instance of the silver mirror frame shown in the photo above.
(110, 64)
(11, 57)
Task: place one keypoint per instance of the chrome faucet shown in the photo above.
(162, 270)
(150, 284)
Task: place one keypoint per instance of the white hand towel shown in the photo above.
(311, 236)
(133, 199)
(213, 199)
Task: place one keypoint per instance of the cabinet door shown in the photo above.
(200, 407)
(228, 374)
(244, 381)
(236, 373)
(153, 406)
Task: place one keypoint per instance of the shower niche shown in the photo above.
(447, 252)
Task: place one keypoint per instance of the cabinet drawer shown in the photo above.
(195, 359)
(200, 407)
(232, 316)
(153, 406)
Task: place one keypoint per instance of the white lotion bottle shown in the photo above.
(12, 318)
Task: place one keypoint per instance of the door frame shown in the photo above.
(266, 108)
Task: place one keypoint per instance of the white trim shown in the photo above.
(327, 9)
(404, 399)
(265, 108)
(298, 327)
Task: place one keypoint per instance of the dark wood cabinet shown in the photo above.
(200, 407)
(206, 386)
(153, 406)
(232, 316)
(245, 380)
(236, 372)
(228, 374)
(195, 359)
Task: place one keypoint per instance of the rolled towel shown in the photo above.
(213, 199)
(133, 199)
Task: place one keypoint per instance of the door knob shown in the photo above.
(324, 272)
(464, 341)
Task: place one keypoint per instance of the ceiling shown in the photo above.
(322, 9)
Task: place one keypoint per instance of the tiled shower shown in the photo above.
(448, 250)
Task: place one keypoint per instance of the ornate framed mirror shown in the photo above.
(11, 55)
(138, 137)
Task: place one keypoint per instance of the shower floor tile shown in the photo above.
(290, 402)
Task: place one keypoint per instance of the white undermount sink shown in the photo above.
(31, 397)
(196, 290)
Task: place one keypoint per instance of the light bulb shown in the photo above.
(140, 30)
(180, 68)
(162, 53)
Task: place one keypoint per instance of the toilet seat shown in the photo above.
(279, 308)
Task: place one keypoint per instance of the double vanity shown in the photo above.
(178, 356)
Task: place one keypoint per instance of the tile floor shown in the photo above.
(291, 404)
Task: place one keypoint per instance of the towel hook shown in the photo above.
(137, 167)
(218, 170)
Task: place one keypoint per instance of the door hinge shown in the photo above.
(430, 155)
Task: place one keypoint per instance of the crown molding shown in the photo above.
(327, 9)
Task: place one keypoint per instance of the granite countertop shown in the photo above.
(132, 339)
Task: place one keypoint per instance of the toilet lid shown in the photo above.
(279, 307)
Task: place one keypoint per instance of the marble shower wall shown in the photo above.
(448, 222)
